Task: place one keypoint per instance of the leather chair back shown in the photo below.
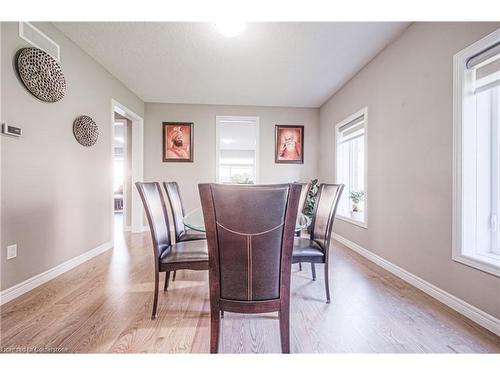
(324, 213)
(156, 212)
(178, 213)
(303, 196)
(250, 233)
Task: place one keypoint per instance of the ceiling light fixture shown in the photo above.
(230, 29)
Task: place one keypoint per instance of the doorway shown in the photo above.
(122, 176)
(127, 159)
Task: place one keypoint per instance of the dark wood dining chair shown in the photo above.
(178, 212)
(168, 257)
(304, 192)
(182, 233)
(250, 231)
(314, 250)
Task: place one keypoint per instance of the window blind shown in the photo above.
(480, 57)
(353, 129)
(486, 68)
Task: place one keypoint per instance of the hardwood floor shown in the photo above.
(104, 305)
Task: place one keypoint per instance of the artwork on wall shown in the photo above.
(178, 141)
(85, 131)
(289, 143)
(41, 74)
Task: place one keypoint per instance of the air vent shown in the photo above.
(36, 38)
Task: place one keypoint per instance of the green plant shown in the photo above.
(357, 196)
(311, 198)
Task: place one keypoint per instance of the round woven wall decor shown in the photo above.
(41, 74)
(85, 130)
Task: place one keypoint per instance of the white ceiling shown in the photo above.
(270, 64)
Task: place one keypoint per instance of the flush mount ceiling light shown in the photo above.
(230, 29)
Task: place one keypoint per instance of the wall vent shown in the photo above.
(37, 39)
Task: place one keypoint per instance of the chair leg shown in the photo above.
(300, 266)
(175, 274)
(284, 316)
(327, 284)
(155, 300)
(214, 329)
(313, 271)
(167, 278)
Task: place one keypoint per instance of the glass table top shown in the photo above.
(194, 221)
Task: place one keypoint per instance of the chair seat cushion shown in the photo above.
(191, 251)
(305, 249)
(191, 235)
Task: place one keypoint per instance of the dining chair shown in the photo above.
(314, 250)
(304, 192)
(250, 231)
(182, 233)
(168, 257)
(178, 212)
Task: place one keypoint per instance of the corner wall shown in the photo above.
(55, 193)
(189, 175)
(408, 89)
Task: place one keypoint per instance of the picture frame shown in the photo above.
(289, 144)
(178, 142)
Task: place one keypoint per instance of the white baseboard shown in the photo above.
(473, 313)
(35, 281)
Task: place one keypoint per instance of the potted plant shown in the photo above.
(311, 198)
(356, 198)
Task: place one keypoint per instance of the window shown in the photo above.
(351, 167)
(237, 149)
(476, 206)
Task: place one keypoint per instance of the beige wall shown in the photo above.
(188, 175)
(408, 91)
(56, 194)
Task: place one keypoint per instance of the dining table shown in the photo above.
(194, 220)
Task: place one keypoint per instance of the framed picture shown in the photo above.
(289, 144)
(178, 141)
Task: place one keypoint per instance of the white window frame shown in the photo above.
(485, 262)
(361, 112)
(221, 119)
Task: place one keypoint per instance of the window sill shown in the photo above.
(486, 263)
(352, 220)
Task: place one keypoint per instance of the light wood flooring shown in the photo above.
(104, 306)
